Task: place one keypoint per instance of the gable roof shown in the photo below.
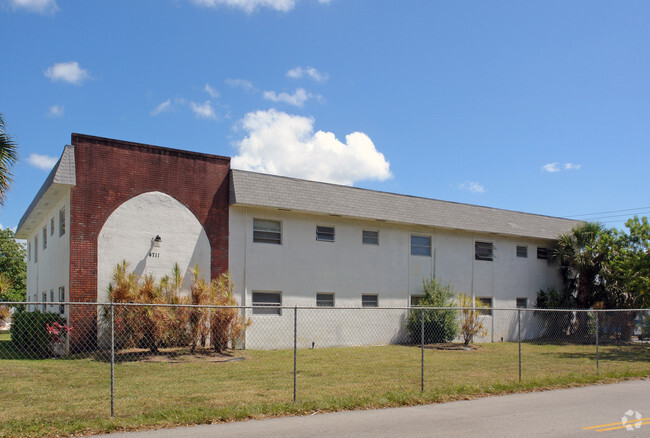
(61, 177)
(263, 190)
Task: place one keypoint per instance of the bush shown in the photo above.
(471, 323)
(439, 325)
(29, 332)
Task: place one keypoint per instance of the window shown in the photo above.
(269, 303)
(486, 302)
(43, 306)
(325, 233)
(44, 237)
(522, 251)
(29, 251)
(369, 300)
(35, 249)
(522, 303)
(325, 300)
(370, 237)
(421, 245)
(62, 299)
(266, 231)
(416, 300)
(62, 222)
(52, 227)
(484, 251)
(51, 295)
(542, 253)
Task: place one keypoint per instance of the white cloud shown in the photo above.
(38, 6)
(284, 144)
(299, 72)
(249, 6)
(471, 186)
(298, 98)
(557, 167)
(241, 83)
(56, 111)
(44, 162)
(203, 110)
(67, 72)
(211, 91)
(162, 107)
(551, 167)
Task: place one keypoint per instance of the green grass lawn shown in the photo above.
(65, 396)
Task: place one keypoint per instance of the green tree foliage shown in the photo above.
(12, 267)
(8, 157)
(439, 325)
(602, 269)
(626, 270)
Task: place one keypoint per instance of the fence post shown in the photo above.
(492, 328)
(597, 352)
(112, 359)
(422, 350)
(519, 339)
(295, 349)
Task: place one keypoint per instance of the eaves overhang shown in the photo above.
(58, 182)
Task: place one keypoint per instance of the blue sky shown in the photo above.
(541, 107)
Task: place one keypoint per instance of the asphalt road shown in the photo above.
(592, 411)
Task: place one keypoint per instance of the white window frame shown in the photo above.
(417, 245)
(489, 301)
(264, 234)
(321, 302)
(274, 309)
(525, 251)
(364, 302)
(29, 251)
(525, 306)
(483, 246)
(322, 233)
(45, 237)
(62, 222)
(61, 299)
(414, 298)
(52, 226)
(36, 249)
(369, 239)
(43, 305)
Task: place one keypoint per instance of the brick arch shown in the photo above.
(110, 172)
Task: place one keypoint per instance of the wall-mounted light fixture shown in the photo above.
(156, 241)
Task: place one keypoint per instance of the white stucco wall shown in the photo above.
(52, 270)
(128, 233)
(301, 267)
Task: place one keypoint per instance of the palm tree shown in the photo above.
(8, 157)
(581, 262)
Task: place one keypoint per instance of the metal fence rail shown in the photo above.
(119, 359)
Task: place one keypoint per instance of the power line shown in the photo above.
(611, 211)
(622, 216)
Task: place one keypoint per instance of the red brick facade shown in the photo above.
(110, 172)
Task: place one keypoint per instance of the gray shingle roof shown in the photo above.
(62, 175)
(257, 189)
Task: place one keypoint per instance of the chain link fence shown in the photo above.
(94, 360)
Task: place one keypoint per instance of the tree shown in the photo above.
(8, 157)
(581, 257)
(439, 325)
(626, 270)
(12, 266)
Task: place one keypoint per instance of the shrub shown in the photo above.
(29, 332)
(439, 325)
(471, 324)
